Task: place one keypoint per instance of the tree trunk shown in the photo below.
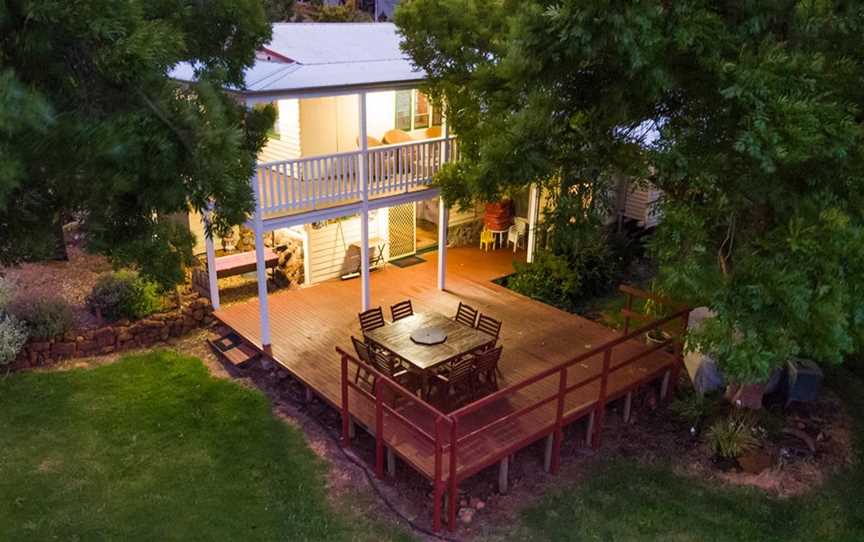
(60, 252)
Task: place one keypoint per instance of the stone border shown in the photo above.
(194, 312)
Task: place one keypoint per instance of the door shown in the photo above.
(402, 230)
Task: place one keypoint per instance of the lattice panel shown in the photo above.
(402, 224)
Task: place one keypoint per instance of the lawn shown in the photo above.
(153, 448)
(626, 501)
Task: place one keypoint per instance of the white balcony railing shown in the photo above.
(318, 181)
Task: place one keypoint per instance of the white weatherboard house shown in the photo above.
(348, 167)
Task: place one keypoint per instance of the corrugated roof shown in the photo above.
(326, 55)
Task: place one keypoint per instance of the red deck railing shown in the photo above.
(446, 437)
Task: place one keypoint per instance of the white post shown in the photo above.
(261, 267)
(364, 212)
(211, 259)
(533, 212)
(443, 218)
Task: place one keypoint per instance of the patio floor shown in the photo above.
(307, 324)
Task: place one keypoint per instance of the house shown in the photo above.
(347, 174)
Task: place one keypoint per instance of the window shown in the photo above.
(414, 111)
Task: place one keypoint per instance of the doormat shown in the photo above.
(407, 261)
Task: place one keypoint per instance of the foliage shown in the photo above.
(93, 125)
(162, 257)
(731, 436)
(13, 335)
(548, 279)
(279, 10)
(44, 316)
(692, 408)
(6, 292)
(163, 451)
(124, 294)
(748, 115)
(341, 13)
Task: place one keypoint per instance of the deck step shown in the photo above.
(233, 349)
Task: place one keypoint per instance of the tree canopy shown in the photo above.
(91, 125)
(748, 115)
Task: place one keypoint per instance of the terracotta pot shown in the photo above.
(498, 216)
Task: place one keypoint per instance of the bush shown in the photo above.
(13, 335)
(732, 436)
(44, 317)
(549, 279)
(124, 294)
(5, 293)
(161, 255)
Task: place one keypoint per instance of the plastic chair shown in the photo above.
(486, 240)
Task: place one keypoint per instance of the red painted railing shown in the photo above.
(450, 441)
(385, 385)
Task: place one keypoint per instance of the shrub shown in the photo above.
(124, 294)
(44, 316)
(13, 335)
(691, 408)
(5, 293)
(548, 279)
(161, 255)
(732, 436)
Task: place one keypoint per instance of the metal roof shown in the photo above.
(310, 57)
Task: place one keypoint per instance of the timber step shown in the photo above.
(233, 349)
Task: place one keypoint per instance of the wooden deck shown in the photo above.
(307, 324)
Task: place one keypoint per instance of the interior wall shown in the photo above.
(380, 113)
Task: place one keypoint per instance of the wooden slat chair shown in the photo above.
(466, 314)
(371, 319)
(486, 367)
(489, 325)
(455, 387)
(401, 310)
(388, 365)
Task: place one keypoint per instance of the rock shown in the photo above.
(104, 337)
(803, 437)
(479, 504)
(64, 349)
(466, 515)
(746, 395)
(755, 461)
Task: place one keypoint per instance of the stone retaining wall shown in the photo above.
(119, 336)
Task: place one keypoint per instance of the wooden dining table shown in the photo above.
(425, 358)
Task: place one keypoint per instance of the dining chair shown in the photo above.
(489, 325)
(456, 386)
(466, 314)
(365, 355)
(486, 370)
(401, 310)
(386, 364)
(371, 319)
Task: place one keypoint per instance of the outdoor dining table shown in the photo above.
(428, 327)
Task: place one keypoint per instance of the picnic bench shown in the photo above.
(232, 265)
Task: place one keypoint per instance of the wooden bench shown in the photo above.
(232, 265)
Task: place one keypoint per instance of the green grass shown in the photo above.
(625, 501)
(153, 448)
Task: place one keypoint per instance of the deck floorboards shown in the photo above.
(307, 324)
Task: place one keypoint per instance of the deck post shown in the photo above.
(364, 212)
(443, 219)
(453, 498)
(438, 484)
(533, 213)
(628, 405)
(346, 413)
(211, 259)
(391, 462)
(504, 475)
(559, 418)
(261, 267)
(600, 410)
(547, 452)
(589, 431)
(379, 431)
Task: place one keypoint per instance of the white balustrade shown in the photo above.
(309, 183)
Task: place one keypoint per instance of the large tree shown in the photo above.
(747, 114)
(92, 126)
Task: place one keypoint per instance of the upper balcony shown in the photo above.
(311, 183)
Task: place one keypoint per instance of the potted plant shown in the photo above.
(654, 309)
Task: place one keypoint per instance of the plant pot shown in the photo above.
(657, 336)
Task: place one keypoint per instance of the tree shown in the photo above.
(279, 10)
(748, 115)
(94, 127)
